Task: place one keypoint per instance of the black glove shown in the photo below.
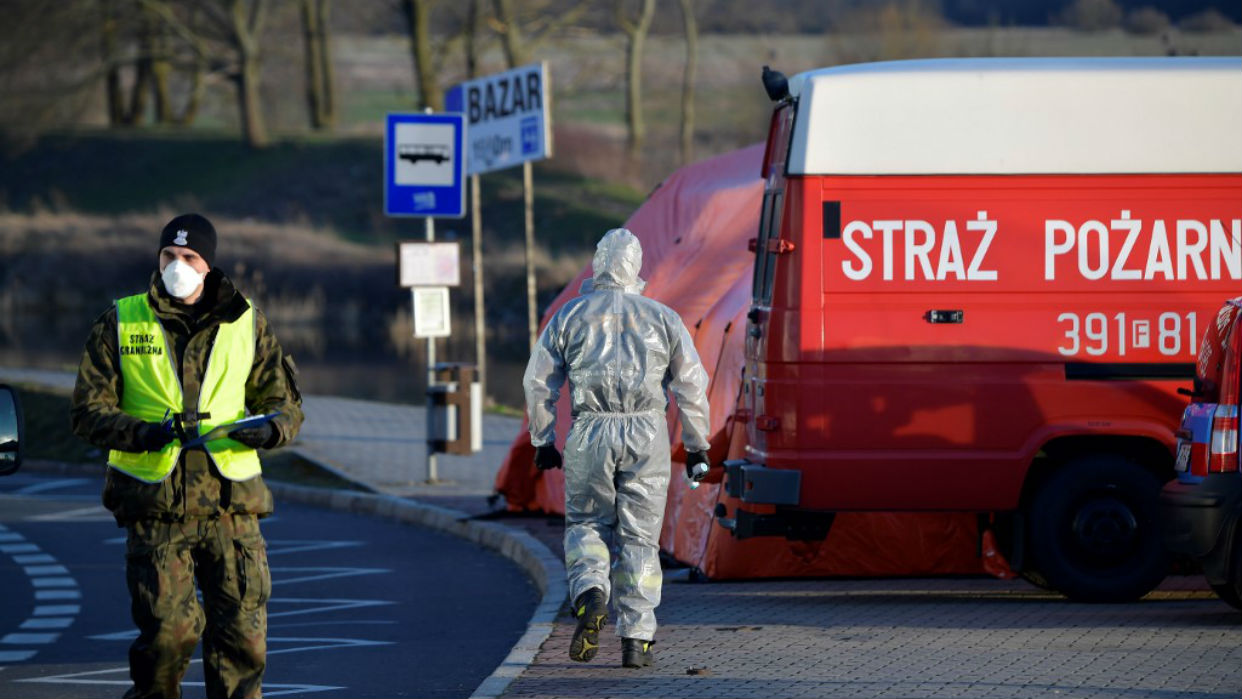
(255, 437)
(154, 436)
(693, 459)
(547, 457)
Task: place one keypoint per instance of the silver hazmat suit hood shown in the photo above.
(618, 259)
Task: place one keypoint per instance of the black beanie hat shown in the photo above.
(191, 231)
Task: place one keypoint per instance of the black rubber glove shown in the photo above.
(154, 436)
(547, 457)
(255, 437)
(693, 459)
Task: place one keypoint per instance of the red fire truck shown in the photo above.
(979, 284)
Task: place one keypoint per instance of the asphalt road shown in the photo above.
(360, 607)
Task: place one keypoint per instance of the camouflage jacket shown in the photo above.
(194, 488)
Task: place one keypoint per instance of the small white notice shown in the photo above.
(428, 264)
(431, 311)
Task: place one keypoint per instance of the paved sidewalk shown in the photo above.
(934, 637)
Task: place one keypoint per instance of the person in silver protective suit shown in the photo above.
(621, 353)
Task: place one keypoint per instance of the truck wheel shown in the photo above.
(1231, 591)
(1094, 532)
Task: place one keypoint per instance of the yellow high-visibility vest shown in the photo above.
(152, 389)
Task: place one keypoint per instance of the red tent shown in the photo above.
(694, 229)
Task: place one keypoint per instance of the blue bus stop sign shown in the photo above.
(424, 167)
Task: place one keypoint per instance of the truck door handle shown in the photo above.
(938, 316)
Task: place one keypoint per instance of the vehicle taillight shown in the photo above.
(1223, 442)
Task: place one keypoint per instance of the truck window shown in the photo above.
(779, 133)
(769, 229)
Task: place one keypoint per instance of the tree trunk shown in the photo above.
(313, 62)
(138, 96)
(511, 34)
(160, 53)
(636, 32)
(197, 82)
(472, 38)
(417, 14)
(326, 69)
(112, 69)
(320, 81)
(247, 27)
(687, 81)
(197, 85)
(248, 99)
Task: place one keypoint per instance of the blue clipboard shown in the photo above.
(223, 431)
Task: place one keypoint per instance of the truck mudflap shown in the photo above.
(795, 525)
(757, 484)
(750, 482)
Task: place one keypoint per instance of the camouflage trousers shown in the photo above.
(228, 558)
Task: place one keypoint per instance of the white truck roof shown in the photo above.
(1019, 116)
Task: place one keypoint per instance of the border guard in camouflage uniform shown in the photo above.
(161, 368)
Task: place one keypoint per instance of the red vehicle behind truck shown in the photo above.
(1202, 508)
(979, 284)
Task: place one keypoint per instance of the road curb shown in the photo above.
(544, 568)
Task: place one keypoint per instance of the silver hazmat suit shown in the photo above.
(621, 352)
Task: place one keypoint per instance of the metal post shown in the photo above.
(480, 331)
(431, 374)
(528, 185)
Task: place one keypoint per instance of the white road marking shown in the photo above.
(277, 547)
(56, 609)
(57, 594)
(269, 689)
(323, 605)
(324, 573)
(18, 548)
(53, 582)
(48, 622)
(25, 639)
(33, 571)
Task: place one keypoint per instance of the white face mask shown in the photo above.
(181, 279)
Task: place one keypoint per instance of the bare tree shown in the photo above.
(117, 16)
(691, 29)
(636, 34)
(227, 41)
(246, 26)
(472, 39)
(520, 39)
(418, 16)
(50, 67)
(175, 46)
(320, 77)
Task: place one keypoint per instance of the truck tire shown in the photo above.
(1094, 530)
(1231, 591)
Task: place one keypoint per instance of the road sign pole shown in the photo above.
(480, 331)
(528, 184)
(431, 376)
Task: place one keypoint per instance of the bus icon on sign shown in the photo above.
(530, 135)
(424, 200)
(433, 152)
